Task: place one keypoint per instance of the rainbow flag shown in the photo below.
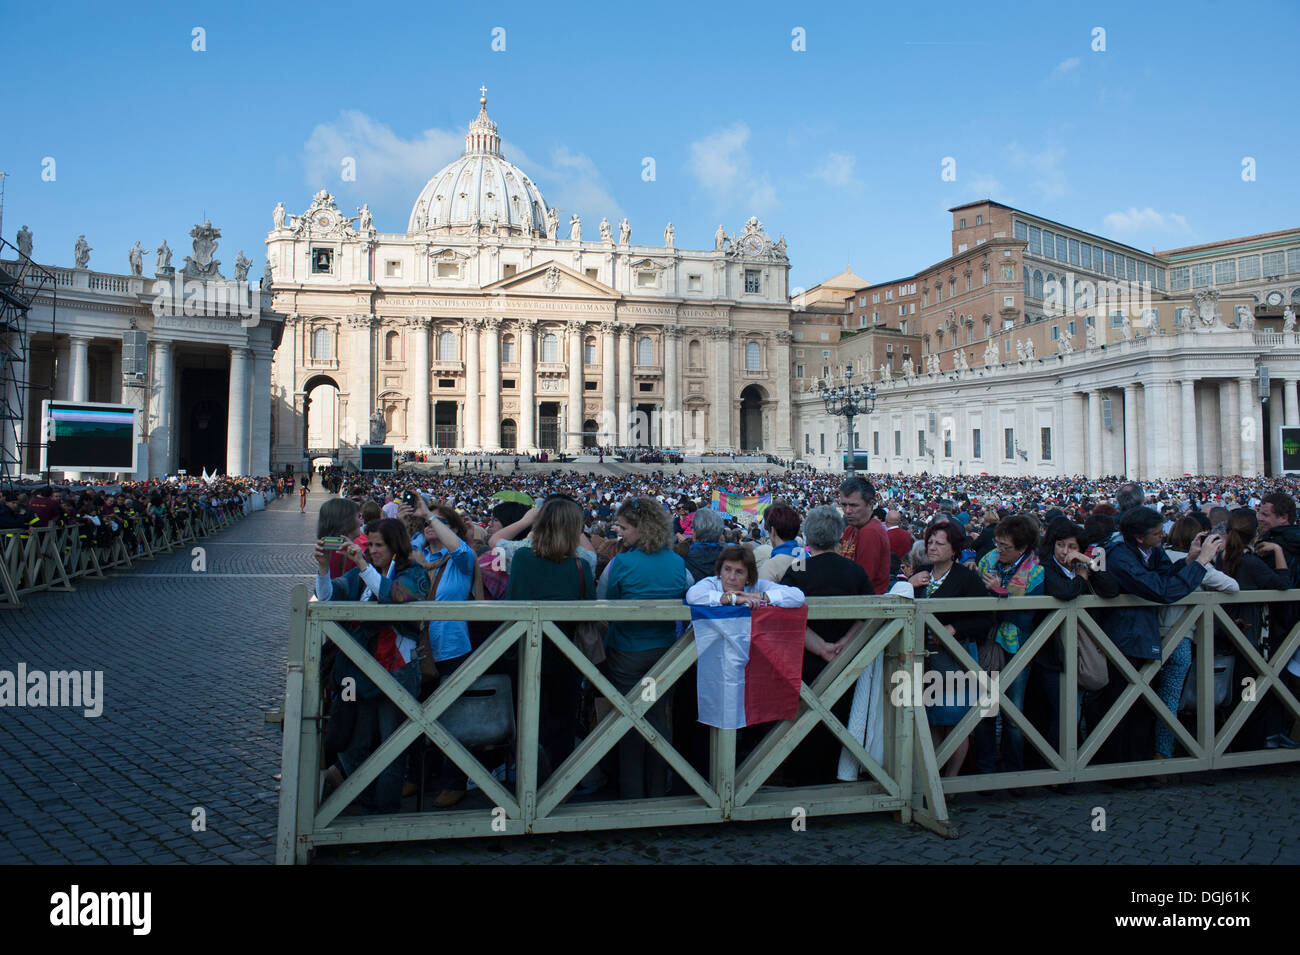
(748, 505)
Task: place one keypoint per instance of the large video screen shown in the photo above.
(87, 436)
(376, 457)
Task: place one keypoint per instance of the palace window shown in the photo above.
(1201, 275)
(550, 348)
(1274, 263)
(1085, 256)
(321, 341)
(1225, 272)
(752, 356)
(1019, 230)
(798, 371)
(1247, 268)
(446, 346)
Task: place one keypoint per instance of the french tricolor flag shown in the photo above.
(750, 663)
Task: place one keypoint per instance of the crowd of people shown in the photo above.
(106, 512)
(565, 535)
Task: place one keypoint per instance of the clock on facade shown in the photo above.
(1274, 298)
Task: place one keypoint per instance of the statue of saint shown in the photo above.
(81, 252)
(1245, 317)
(1030, 347)
(990, 354)
(575, 228)
(605, 234)
(136, 257)
(25, 242)
(719, 239)
(962, 363)
(367, 220)
(552, 223)
(624, 232)
(378, 431)
(1091, 336)
(1125, 326)
(278, 215)
(668, 236)
(242, 265)
(164, 257)
(907, 368)
(268, 275)
(886, 373)
(1288, 319)
(1020, 350)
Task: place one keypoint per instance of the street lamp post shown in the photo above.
(848, 400)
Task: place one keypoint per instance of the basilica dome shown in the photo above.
(479, 188)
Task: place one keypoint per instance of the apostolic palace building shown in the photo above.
(487, 325)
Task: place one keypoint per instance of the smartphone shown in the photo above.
(966, 555)
(334, 543)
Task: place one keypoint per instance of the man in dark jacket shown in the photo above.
(1277, 526)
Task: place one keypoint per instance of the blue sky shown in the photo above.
(839, 146)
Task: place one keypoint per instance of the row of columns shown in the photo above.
(1172, 413)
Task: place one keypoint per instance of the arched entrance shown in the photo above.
(589, 429)
(751, 418)
(508, 435)
(320, 414)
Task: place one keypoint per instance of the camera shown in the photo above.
(410, 497)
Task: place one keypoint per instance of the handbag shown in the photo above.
(1093, 673)
(589, 635)
(992, 657)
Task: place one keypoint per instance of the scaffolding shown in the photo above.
(21, 281)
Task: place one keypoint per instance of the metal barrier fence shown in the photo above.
(50, 558)
(891, 630)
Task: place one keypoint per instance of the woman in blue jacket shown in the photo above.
(1141, 568)
(393, 645)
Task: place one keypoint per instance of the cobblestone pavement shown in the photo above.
(192, 659)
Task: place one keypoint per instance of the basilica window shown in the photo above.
(322, 261)
(320, 345)
(695, 283)
(644, 352)
(753, 283)
(645, 280)
(693, 352)
(752, 357)
(448, 270)
(508, 350)
(446, 346)
(550, 348)
(392, 347)
(589, 352)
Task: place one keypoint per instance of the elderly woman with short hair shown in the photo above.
(707, 545)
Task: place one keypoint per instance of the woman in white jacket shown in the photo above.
(736, 583)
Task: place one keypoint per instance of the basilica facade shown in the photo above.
(487, 325)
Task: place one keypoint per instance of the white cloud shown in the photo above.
(1043, 168)
(391, 171)
(721, 165)
(1066, 66)
(837, 170)
(570, 182)
(984, 186)
(1146, 220)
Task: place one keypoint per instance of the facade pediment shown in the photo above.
(551, 278)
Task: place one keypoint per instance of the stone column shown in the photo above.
(1155, 402)
(1130, 432)
(722, 388)
(160, 410)
(672, 417)
(361, 380)
(492, 389)
(418, 428)
(1234, 456)
(1276, 415)
(625, 333)
(1069, 451)
(782, 440)
(609, 372)
(259, 461)
(238, 409)
(80, 368)
(1094, 435)
(1249, 430)
(473, 440)
(1289, 400)
(1187, 412)
(573, 440)
(527, 433)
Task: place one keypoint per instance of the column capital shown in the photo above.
(609, 328)
(784, 336)
(575, 326)
(242, 352)
(721, 333)
(526, 326)
(473, 323)
(419, 321)
(492, 323)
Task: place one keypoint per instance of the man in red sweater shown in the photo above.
(864, 539)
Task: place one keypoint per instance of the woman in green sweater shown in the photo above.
(551, 570)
